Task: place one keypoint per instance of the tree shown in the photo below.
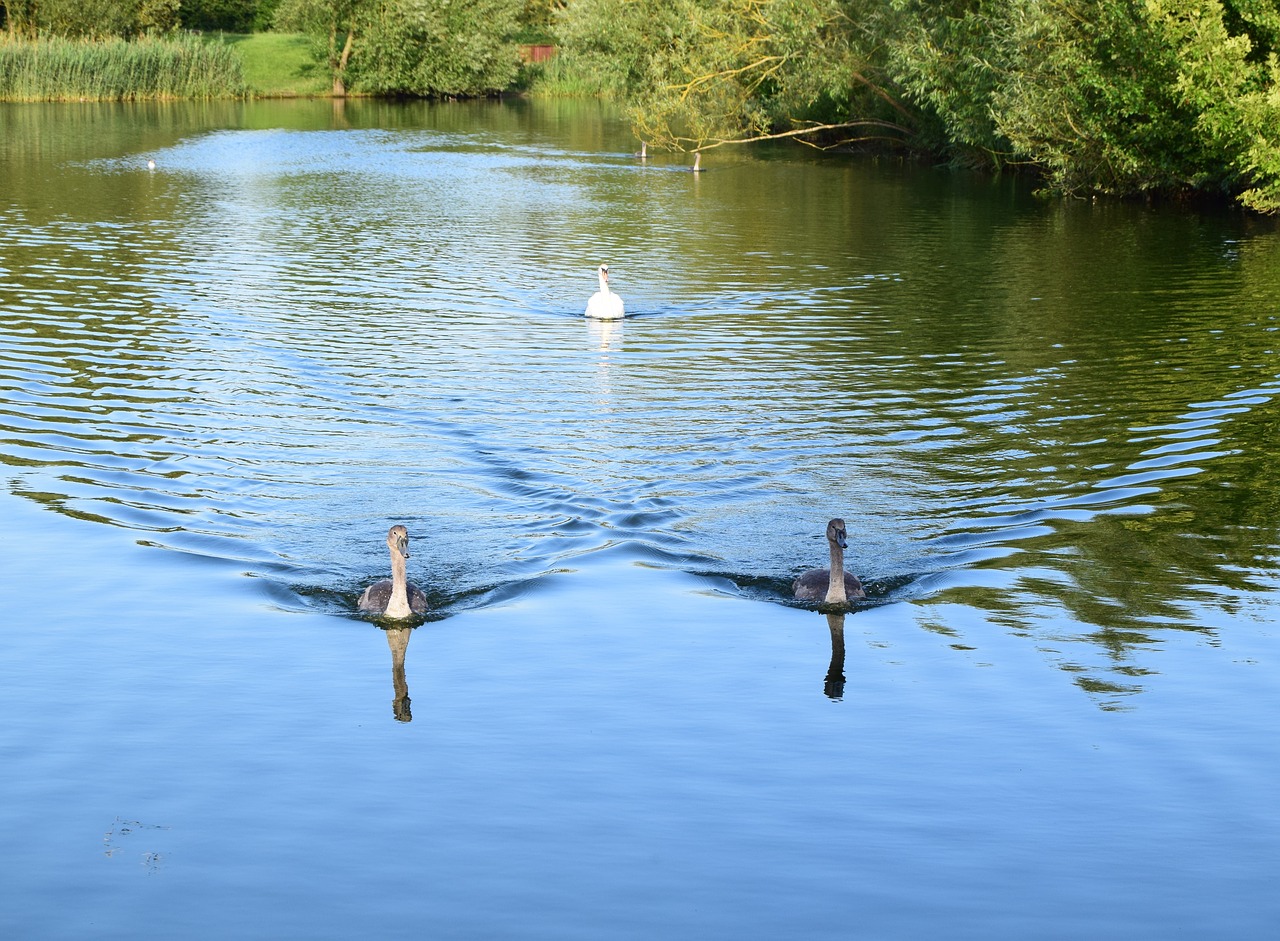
(236, 16)
(332, 26)
(414, 47)
(1116, 96)
(438, 47)
(157, 17)
(1155, 95)
(86, 19)
(701, 73)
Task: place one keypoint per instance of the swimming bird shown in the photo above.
(604, 304)
(697, 163)
(394, 597)
(818, 585)
(151, 164)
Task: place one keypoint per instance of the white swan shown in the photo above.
(604, 304)
(394, 597)
(818, 585)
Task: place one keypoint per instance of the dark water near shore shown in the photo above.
(1050, 426)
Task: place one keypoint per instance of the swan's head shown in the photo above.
(604, 272)
(836, 533)
(398, 540)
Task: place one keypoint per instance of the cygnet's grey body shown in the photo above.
(604, 304)
(818, 585)
(395, 597)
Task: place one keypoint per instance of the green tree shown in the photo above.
(701, 73)
(332, 26)
(236, 16)
(157, 17)
(438, 47)
(86, 19)
(1142, 96)
(412, 47)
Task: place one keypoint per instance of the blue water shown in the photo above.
(1050, 427)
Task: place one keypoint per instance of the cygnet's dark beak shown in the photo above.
(402, 546)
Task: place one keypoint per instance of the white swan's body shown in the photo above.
(819, 585)
(394, 597)
(604, 304)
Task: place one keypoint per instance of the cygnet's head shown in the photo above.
(398, 540)
(836, 533)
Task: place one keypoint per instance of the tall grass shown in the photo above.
(564, 76)
(116, 70)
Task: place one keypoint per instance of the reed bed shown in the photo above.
(118, 70)
(564, 76)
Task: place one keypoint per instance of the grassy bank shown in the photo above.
(276, 65)
(116, 70)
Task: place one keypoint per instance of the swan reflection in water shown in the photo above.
(605, 335)
(398, 641)
(833, 685)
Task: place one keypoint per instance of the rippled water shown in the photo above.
(1050, 426)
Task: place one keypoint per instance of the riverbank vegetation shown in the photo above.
(1110, 96)
(57, 69)
(1096, 96)
(430, 48)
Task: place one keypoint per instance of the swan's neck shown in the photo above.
(835, 585)
(398, 603)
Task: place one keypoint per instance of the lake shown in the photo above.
(1050, 426)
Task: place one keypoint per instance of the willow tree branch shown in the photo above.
(800, 132)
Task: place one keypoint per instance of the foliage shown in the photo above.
(1155, 95)
(438, 47)
(1118, 96)
(331, 25)
(235, 16)
(706, 72)
(411, 47)
(67, 69)
(948, 59)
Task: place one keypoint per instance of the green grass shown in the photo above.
(116, 70)
(565, 77)
(277, 65)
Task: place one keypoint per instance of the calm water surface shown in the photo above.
(1051, 428)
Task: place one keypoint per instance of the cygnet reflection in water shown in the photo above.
(398, 641)
(394, 597)
(833, 684)
(819, 585)
(604, 304)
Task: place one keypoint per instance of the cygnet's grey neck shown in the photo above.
(398, 603)
(835, 585)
